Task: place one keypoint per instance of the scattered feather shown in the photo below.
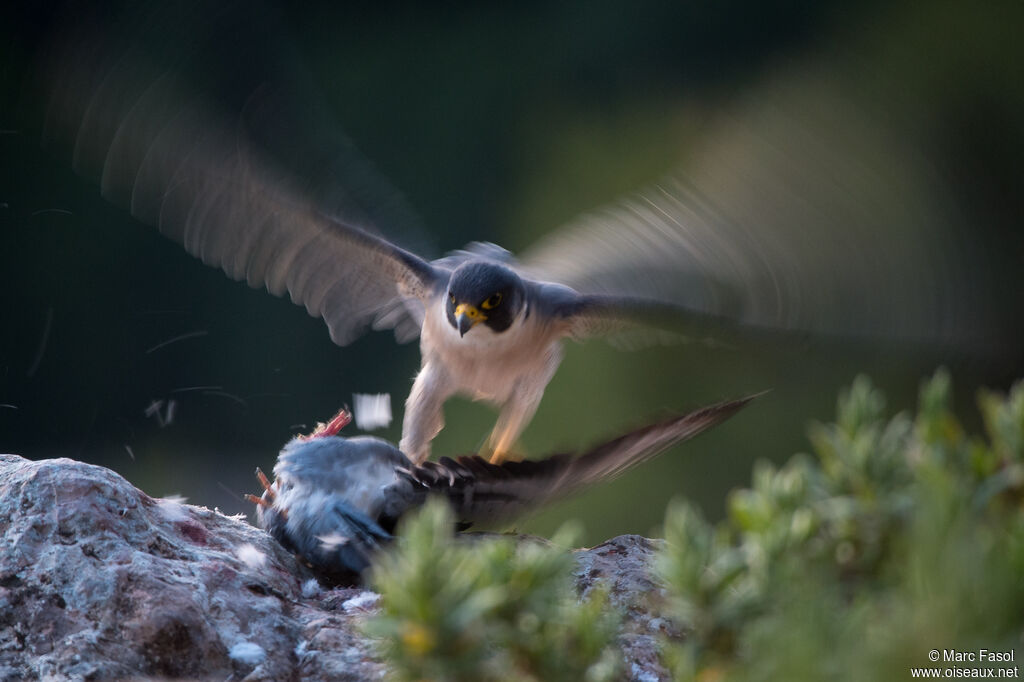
(186, 389)
(173, 507)
(230, 396)
(332, 541)
(43, 342)
(361, 601)
(248, 653)
(230, 492)
(164, 416)
(180, 337)
(250, 556)
(62, 211)
(310, 588)
(372, 411)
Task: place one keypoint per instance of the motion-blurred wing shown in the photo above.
(228, 184)
(481, 491)
(799, 212)
(639, 321)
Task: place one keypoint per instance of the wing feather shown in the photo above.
(209, 180)
(798, 210)
(629, 318)
(481, 491)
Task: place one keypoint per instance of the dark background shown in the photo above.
(497, 123)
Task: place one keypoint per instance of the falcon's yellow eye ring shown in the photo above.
(491, 302)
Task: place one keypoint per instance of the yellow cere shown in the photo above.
(469, 311)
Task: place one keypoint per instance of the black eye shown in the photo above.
(491, 302)
(451, 296)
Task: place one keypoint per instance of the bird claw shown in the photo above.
(269, 498)
(332, 427)
(265, 482)
(503, 452)
(258, 501)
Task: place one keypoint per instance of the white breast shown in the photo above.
(487, 365)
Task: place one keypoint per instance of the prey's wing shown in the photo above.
(237, 183)
(480, 491)
(327, 533)
(326, 498)
(796, 211)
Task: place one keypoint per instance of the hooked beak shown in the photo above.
(466, 316)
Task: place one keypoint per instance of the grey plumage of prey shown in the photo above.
(335, 501)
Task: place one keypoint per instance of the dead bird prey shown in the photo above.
(335, 500)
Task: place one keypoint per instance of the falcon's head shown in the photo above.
(484, 292)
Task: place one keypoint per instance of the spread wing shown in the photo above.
(630, 321)
(239, 186)
(797, 211)
(480, 491)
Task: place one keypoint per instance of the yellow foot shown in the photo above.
(503, 447)
(499, 455)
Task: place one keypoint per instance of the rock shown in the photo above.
(623, 564)
(98, 581)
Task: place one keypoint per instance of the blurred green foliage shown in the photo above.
(487, 609)
(899, 536)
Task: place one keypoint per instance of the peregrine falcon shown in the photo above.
(490, 328)
(335, 500)
(755, 232)
(487, 331)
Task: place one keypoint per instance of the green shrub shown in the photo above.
(487, 608)
(898, 537)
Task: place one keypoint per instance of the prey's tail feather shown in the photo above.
(481, 491)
